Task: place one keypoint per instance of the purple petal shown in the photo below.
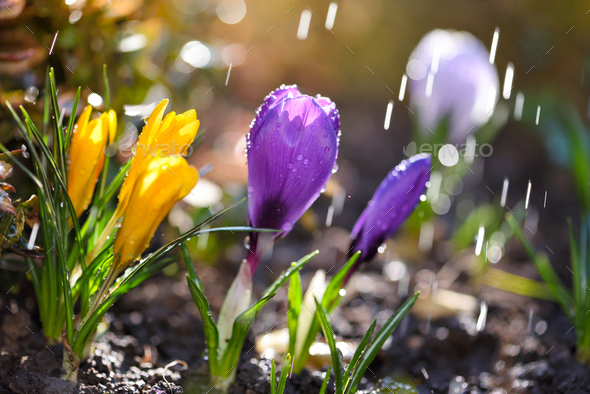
(331, 110)
(292, 150)
(275, 97)
(465, 85)
(394, 200)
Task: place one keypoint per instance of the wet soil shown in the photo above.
(155, 344)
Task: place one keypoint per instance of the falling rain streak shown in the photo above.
(504, 193)
(494, 45)
(528, 195)
(228, 73)
(331, 15)
(304, 24)
(545, 200)
(402, 88)
(538, 114)
(518, 106)
(388, 115)
(479, 244)
(429, 83)
(483, 315)
(508, 81)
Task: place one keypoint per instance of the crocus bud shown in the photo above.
(160, 138)
(86, 158)
(394, 200)
(451, 77)
(164, 182)
(292, 149)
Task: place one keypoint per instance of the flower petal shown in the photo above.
(274, 98)
(162, 184)
(291, 155)
(394, 200)
(464, 88)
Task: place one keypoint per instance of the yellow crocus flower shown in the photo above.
(87, 156)
(159, 138)
(164, 182)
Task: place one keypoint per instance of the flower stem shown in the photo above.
(70, 361)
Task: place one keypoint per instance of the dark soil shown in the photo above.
(517, 352)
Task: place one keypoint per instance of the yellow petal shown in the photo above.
(159, 138)
(79, 131)
(178, 142)
(153, 124)
(161, 185)
(112, 125)
(86, 160)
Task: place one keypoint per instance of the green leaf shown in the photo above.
(326, 380)
(244, 321)
(107, 90)
(241, 327)
(332, 292)
(295, 297)
(330, 300)
(545, 269)
(322, 315)
(59, 148)
(200, 300)
(70, 129)
(61, 179)
(284, 373)
(287, 273)
(209, 326)
(377, 343)
(273, 378)
(358, 352)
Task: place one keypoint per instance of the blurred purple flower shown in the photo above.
(292, 150)
(394, 200)
(451, 76)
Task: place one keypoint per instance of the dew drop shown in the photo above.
(300, 157)
(289, 165)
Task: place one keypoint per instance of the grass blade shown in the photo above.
(198, 295)
(287, 273)
(358, 352)
(322, 315)
(545, 269)
(295, 297)
(273, 378)
(371, 352)
(326, 380)
(70, 129)
(284, 373)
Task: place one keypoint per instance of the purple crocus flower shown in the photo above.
(394, 200)
(451, 76)
(292, 150)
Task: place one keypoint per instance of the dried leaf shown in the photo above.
(6, 203)
(7, 186)
(5, 169)
(4, 156)
(11, 228)
(31, 210)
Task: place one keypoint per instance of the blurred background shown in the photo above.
(223, 58)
